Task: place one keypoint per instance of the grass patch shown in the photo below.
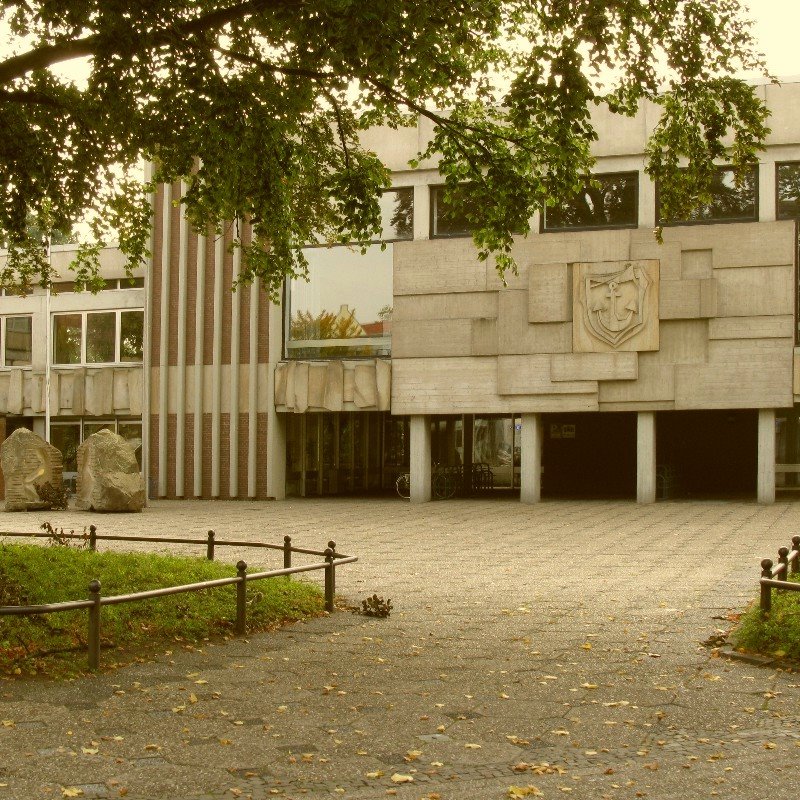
(776, 633)
(55, 643)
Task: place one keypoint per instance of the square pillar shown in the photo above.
(420, 458)
(530, 465)
(646, 457)
(766, 456)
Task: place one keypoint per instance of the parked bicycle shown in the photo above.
(444, 482)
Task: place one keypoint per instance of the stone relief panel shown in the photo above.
(28, 461)
(615, 306)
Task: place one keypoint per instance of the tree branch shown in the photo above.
(49, 54)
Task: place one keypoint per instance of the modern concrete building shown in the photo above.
(610, 366)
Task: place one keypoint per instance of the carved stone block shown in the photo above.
(615, 306)
(28, 461)
(108, 475)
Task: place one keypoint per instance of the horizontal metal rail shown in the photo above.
(96, 601)
(211, 541)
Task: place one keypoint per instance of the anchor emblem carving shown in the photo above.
(615, 304)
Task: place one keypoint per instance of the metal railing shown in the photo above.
(788, 562)
(96, 601)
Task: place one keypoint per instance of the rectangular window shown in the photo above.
(787, 180)
(609, 200)
(397, 214)
(131, 337)
(67, 336)
(17, 341)
(344, 309)
(729, 202)
(446, 220)
(98, 337)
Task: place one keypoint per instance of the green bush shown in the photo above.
(776, 633)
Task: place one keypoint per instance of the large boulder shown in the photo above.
(108, 475)
(28, 461)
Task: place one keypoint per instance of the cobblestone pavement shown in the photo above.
(555, 646)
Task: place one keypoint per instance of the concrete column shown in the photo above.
(766, 455)
(163, 344)
(530, 466)
(422, 210)
(646, 457)
(276, 423)
(766, 192)
(420, 429)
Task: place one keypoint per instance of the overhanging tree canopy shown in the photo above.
(258, 104)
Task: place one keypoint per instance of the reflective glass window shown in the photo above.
(731, 200)
(100, 337)
(67, 437)
(131, 332)
(17, 341)
(344, 309)
(788, 190)
(446, 219)
(605, 201)
(397, 214)
(67, 332)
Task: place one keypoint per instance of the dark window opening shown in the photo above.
(732, 200)
(605, 201)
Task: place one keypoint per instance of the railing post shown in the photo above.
(783, 558)
(92, 538)
(287, 553)
(766, 591)
(210, 546)
(332, 546)
(94, 626)
(330, 580)
(241, 598)
(796, 547)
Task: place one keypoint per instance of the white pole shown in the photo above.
(49, 348)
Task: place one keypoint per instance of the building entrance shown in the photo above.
(350, 452)
(589, 455)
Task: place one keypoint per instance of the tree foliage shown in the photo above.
(258, 106)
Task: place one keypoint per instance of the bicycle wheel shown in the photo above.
(444, 486)
(403, 485)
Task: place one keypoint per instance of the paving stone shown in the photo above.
(491, 599)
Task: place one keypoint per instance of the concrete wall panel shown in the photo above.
(754, 291)
(550, 293)
(594, 367)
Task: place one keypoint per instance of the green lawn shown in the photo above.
(775, 634)
(55, 643)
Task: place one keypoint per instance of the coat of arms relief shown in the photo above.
(615, 306)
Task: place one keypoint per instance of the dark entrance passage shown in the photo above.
(589, 455)
(707, 454)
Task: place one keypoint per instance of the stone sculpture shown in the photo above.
(108, 475)
(28, 461)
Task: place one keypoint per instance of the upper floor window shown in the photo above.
(98, 337)
(344, 309)
(608, 200)
(731, 200)
(397, 214)
(16, 347)
(446, 219)
(59, 287)
(787, 180)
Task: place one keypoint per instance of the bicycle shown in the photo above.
(444, 483)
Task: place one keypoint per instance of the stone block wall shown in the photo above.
(719, 332)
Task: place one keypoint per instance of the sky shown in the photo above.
(776, 28)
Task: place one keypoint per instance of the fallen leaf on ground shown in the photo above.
(398, 778)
